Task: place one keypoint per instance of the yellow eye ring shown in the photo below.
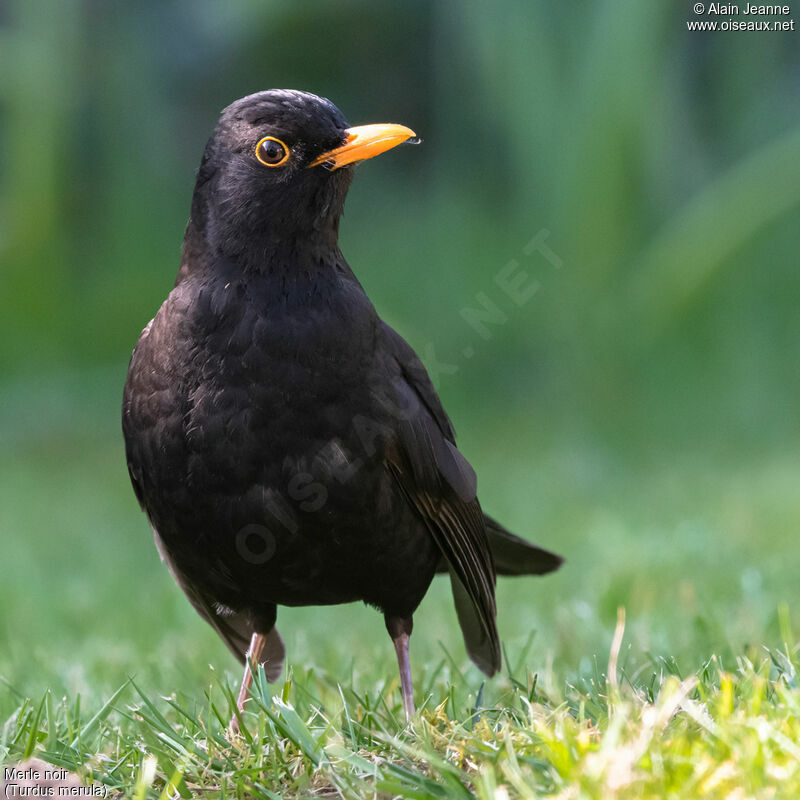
(266, 152)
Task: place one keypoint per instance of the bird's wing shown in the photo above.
(512, 554)
(415, 374)
(441, 485)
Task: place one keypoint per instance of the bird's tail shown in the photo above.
(516, 556)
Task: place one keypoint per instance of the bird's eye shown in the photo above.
(271, 152)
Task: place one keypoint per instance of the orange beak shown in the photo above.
(364, 141)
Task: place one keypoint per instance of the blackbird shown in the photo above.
(287, 445)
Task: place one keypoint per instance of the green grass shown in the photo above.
(105, 669)
(714, 733)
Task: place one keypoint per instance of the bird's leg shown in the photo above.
(400, 630)
(401, 648)
(253, 655)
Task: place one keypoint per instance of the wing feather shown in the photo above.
(441, 486)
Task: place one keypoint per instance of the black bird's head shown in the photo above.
(276, 171)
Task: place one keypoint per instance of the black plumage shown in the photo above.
(288, 446)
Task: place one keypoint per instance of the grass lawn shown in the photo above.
(105, 669)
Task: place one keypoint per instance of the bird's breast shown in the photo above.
(247, 413)
(241, 375)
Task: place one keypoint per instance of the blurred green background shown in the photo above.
(639, 414)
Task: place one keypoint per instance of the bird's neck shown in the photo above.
(263, 253)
